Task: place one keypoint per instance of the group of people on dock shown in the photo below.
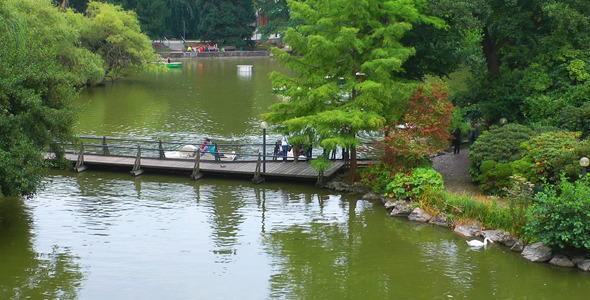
(208, 146)
(282, 149)
(207, 48)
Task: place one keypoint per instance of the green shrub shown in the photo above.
(494, 177)
(500, 144)
(413, 185)
(489, 213)
(519, 196)
(560, 216)
(553, 153)
(377, 176)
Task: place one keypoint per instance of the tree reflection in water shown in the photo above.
(26, 274)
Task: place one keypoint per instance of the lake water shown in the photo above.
(102, 235)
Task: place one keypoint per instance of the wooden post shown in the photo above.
(137, 166)
(197, 168)
(80, 167)
(257, 178)
(105, 148)
(162, 154)
(217, 157)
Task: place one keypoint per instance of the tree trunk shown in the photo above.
(353, 176)
(490, 51)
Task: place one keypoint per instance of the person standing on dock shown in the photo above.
(277, 151)
(285, 146)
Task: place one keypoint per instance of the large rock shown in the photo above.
(468, 230)
(561, 261)
(419, 215)
(518, 246)
(537, 252)
(500, 236)
(372, 196)
(442, 221)
(584, 265)
(400, 208)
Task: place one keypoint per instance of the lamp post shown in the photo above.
(263, 125)
(503, 121)
(584, 163)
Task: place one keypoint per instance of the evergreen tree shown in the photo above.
(276, 14)
(345, 55)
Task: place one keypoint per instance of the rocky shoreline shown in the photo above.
(535, 252)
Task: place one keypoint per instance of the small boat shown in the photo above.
(189, 152)
(173, 64)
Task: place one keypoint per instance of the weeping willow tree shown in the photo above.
(40, 64)
(345, 57)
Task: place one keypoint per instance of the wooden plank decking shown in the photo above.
(274, 169)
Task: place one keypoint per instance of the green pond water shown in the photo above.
(103, 235)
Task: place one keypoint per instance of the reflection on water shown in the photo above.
(27, 273)
(205, 98)
(99, 235)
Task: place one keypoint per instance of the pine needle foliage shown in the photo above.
(345, 55)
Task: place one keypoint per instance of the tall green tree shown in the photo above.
(40, 62)
(276, 14)
(529, 58)
(115, 35)
(225, 21)
(152, 15)
(345, 56)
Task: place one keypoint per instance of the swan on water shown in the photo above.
(478, 243)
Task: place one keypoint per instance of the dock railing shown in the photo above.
(160, 149)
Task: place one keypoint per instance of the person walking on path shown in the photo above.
(456, 140)
(473, 133)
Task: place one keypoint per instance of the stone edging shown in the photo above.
(535, 252)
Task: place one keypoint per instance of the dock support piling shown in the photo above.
(161, 149)
(257, 178)
(105, 147)
(197, 168)
(80, 167)
(137, 166)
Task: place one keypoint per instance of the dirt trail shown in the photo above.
(454, 169)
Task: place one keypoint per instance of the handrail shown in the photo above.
(157, 148)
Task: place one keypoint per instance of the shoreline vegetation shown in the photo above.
(471, 218)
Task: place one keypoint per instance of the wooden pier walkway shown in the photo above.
(156, 156)
(275, 169)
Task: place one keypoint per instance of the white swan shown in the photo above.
(478, 243)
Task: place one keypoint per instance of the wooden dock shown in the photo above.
(275, 169)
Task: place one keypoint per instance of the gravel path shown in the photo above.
(454, 169)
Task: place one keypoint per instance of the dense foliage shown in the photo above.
(560, 216)
(35, 89)
(276, 14)
(539, 157)
(414, 184)
(423, 129)
(47, 53)
(499, 144)
(345, 54)
(115, 35)
(529, 59)
(551, 154)
(225, 21)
